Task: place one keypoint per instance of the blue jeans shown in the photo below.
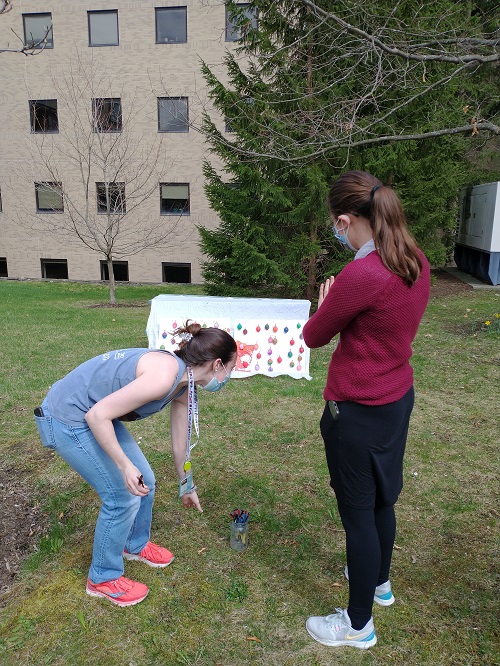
(124, 521)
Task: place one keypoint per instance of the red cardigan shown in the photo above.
(377, 316)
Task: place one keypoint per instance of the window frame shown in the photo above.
(230, 29)
(98, 129)
(43, 266)
(114, 211)
(165, 10)
(92, 12)
(176, 212)
(176, 264)
(32, 103)
(119, 263)
(53, 187)
(172, 99)
(50, 34)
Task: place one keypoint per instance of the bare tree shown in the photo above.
(96, 175)
(32, 46)
(379, 62)
(5, 6)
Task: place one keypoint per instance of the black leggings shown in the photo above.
(370, 535)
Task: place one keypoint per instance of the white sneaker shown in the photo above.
(383, 593)
(336, 630)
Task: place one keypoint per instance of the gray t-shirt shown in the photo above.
(70, 398)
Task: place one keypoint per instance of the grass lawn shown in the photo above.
(260, 450)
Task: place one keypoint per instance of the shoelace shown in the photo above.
(122, 584)
(336, 620)
(149, 551)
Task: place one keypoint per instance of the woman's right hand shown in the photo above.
(132, 477)
(324, 288)
(190, 500)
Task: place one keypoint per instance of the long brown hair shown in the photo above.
(200, 345)
(358, 192)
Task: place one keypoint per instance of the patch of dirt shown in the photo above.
(444, 284)
(119, 305)
(23, 522)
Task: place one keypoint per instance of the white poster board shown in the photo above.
(267, 331)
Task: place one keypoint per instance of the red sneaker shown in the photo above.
(151, 554)
(122, 591)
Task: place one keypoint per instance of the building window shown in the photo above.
(43, 116)
(49, 198)
(171, 25)
(173, 114)
(1, 201)
(107, 114)
(54, 269)
(173, 272)
(239, 21)
(38, 30)
(3, 267)
(174, 199)
(111, 198)
(120, 271)
(103, 28)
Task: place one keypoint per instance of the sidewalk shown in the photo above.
(470, 279)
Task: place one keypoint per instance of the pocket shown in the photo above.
(326, 423)
(44, 425)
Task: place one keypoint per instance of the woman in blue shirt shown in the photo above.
(82, 418)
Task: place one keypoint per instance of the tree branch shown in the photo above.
(406, 55)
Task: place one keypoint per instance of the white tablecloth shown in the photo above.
(268, 331)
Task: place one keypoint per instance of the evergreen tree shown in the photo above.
(304, 101)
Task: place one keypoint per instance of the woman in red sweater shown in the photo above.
(376, 304)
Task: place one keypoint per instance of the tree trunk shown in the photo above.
(111, 282)
(312, 262)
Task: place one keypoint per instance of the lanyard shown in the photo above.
(192, 414)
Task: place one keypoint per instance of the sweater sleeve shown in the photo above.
(357, 288)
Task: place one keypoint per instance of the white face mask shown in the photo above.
(214, 384)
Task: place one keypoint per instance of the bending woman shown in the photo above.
(82, 418)
(376, 304)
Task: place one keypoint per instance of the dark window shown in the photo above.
(38, 30)
(107, 114)
(174, 199)
(111, 198)
(173, 114)
(1, 201)
(120, 270)
(238, 21)
(171, 25)
(172, 272)
(3, 267)
(55, 269)
(103, 28)
(43, 115)
(49, 198)
(228, 127)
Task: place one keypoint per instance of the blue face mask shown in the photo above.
(343, 239)
(214, 384)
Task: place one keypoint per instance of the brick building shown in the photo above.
(113, 76)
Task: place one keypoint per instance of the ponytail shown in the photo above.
(361, 193)
(395, 245)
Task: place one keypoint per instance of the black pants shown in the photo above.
(364, 450)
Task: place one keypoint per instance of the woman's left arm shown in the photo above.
(178, 429)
